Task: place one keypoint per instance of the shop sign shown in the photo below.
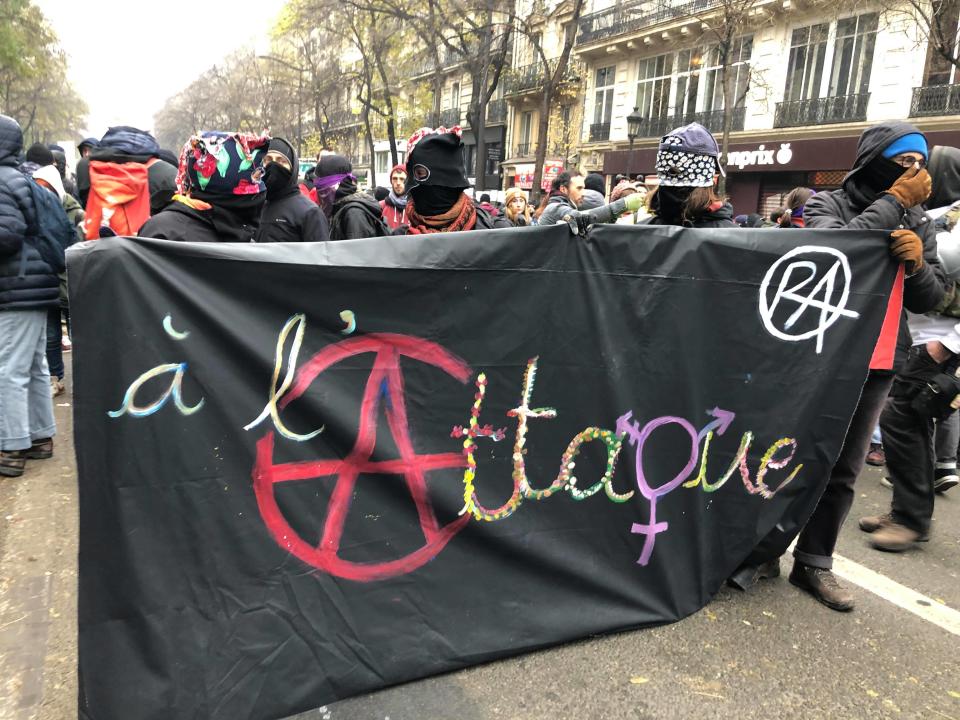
(524, 177)
(761, 156)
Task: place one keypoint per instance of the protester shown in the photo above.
(795, 201)
(379, 193)
(773, 221)
(60, 160)
(87, 146)
(128, 179)
(220, 190)
(394, 206)
(518, 212)
(566, 193)
(688, 166)
(907, 420)
(37, 156)
(488, 206)
(28, 289)
(884, 191)
(594, 192)
(624, 189)
(352, 214)
(288, 216)
(436, 180)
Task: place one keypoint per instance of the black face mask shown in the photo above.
(432, 200)
(276, 178)
(880, 174)
(669, 202)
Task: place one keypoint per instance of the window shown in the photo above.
(526, 120)
(603, 100)
(808, 48)
(939, 70)
(455, 95)
(853, 55)
(653, 86)
(739, 68)
(383, 160)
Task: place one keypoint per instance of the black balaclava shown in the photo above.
(281, 182)
(880, 174)
(872, 174)
(436, 174)
(669, 202)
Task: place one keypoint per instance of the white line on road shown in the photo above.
(892, 591)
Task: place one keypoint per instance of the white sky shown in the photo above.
(126, 57)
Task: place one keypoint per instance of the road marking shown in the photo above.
(880, 585)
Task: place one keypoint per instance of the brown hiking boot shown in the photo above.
(39, 450)
(872, 523)
(822, 584)
(894, 537)
(12, 463)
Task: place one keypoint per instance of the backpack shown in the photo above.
(119, 198)
(51, 233)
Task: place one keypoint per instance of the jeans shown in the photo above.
(55, 343)
(26, 408)
(819, 536)
(946, 438)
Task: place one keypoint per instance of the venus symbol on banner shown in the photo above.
(789, 269)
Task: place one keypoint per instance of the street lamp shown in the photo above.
(300, 72)
(633, 132)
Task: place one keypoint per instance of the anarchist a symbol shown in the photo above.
(819, 297)
(387, 377)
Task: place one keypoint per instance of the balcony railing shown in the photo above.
(599, 131)
(496, 112)
(935, 100)
(342, 118)
(637, 15)
(450, 117)
(530, 77)
(524, 149)
(822, 111)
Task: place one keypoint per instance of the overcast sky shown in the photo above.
(128, 56)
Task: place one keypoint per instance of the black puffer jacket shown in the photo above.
(853, 207)
(357, 215)
(721, 217)
(290, 216)
(26, 281)
(183, 223)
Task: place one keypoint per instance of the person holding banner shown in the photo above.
(884, 191)
(566, 192)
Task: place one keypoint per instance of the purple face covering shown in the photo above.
(327, 188)
(322, 183)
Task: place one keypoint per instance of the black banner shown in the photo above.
(311, 471)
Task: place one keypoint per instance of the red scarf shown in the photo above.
(462, 216)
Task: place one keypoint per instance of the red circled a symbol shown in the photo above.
(386, 371)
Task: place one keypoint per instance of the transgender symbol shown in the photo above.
(818, 297)
(385, 378)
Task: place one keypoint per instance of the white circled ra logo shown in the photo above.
(803, 284)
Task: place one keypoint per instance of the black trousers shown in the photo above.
(819, 536)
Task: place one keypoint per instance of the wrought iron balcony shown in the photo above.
(496, 112)
(341, 119)
(712, 120)
(450, 117)
(822, 111)
(637, 15)
(599, 132)
(524, 149)
(935, 100)
(530, 77)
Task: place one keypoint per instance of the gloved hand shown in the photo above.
(633, 201)
(907, 247)
(912, 188)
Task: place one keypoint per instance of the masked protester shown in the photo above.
(688, 165)
(288, 215)
(220, 190)
(352, 214)
(394, 206)
(884, 191)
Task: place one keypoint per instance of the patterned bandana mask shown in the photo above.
(220, 163)
(682, 169)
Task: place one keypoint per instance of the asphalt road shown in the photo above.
(770, 653)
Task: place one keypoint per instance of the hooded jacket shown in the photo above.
(851, 207)
(357, 216)
(179, 221)
(591, 199)
(129, 145)
(944, 168)
(26, 281)
(288, 215)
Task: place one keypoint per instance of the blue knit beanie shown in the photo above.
(914, 142)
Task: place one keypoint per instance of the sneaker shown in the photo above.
(747, 576)
(894, 537)
(823, 585)
(56, 386)
(66, 344)
(872, 523)
(876, 456)
(944, 479)
(886, 482)
(12, 463)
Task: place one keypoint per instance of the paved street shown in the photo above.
(770, 653)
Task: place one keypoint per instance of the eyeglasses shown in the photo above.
(908, 161)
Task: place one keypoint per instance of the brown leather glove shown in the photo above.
(907, 247)
(912, 188)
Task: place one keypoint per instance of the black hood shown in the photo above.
(11, 141)
(944, 169)
(279, 144)
(874, 141)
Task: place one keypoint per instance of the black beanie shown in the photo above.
(40, 154)
(437, 160)
(594, 181)
(333, 165)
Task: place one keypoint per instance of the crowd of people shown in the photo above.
(239, 187)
